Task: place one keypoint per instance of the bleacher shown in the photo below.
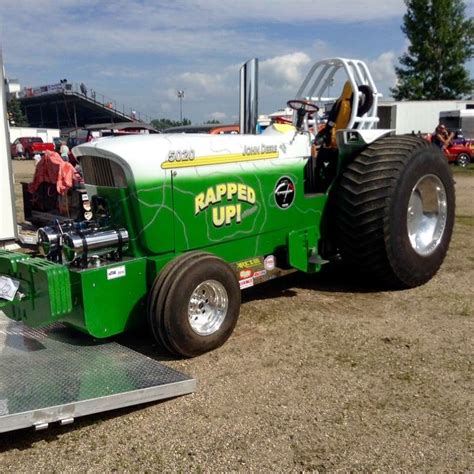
(70, 105)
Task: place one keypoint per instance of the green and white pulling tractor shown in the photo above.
(182, 223)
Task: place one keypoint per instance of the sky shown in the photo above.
(141, 52)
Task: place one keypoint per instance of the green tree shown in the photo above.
(213, 121)
(441, 41)
(163, 123)
(15, 114)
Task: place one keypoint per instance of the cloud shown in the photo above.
(285, 72)
(144, 50)
(383, 69)
(201, 85)
(208, 27)
(283, 11)
(217, 116)
(206, 12)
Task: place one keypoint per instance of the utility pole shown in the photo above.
(181, 97)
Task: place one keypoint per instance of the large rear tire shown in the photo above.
(393, 211)
(195, 306)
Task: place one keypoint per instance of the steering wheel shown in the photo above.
(300, 104)
(302, 108)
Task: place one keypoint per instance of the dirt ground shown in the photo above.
(321, 374)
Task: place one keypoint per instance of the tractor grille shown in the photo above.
(102, 172)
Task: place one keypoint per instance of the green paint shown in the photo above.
(231, 211)
(44, 286)
(302, 245)
(104, 307)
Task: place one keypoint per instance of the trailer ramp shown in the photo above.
(57, 374)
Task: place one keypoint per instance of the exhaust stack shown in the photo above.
(249, 97)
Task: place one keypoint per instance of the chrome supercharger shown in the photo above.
(82, 243)
(80, 246)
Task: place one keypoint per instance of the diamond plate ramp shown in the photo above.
(57, 374)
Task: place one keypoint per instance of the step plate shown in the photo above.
(58, 374)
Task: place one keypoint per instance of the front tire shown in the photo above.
(394, 211)
(197, 306)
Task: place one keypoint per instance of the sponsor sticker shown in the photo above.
(244, 274)
(116, 272)
(8, 288)
(284, 192)
(260, 274)
(352, 137)
(269, 262)
(247, 283)
(253, 262)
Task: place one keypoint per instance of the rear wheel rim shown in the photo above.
(207, 308)
(427, 215)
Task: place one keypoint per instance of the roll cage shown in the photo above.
(321, 76)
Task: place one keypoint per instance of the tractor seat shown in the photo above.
(338, 118)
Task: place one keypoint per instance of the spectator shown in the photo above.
(441, 137)
(83, 88)
(20, 151)
(37, 157)
(64, 151)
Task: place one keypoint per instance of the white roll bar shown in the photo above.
(321, 76)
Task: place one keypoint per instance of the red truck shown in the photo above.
(31, 146)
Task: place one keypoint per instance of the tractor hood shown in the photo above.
(147, 157)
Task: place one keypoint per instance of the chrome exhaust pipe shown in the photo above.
(249, 97)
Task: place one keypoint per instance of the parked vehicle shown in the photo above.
(31, 146)
(93, 132)
(459, 154)
(460, 150)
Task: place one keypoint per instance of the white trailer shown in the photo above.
(8, 231)
(416, 116)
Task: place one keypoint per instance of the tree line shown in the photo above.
(164, 123)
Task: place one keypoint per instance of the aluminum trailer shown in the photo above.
(55, 375)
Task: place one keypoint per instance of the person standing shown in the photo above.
(64, 151)
(441, 137)
(20, 151)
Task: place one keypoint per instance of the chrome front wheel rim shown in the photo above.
(427, 215)
(208, 307)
